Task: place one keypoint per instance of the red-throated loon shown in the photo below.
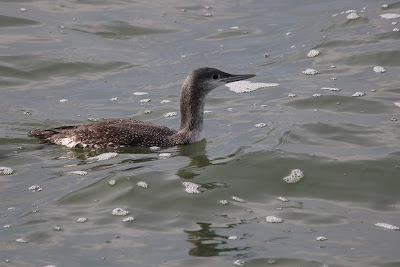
(127, 132)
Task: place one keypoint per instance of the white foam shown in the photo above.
(239, 263)
(63, 100)
(238, 199)
(310, 72)
(358, 94)
(165, 101)
(128, 219)
(379, 69)
(142, 184)
(291, 95)
(247, 86)
(232, 237)
(79, 172)
(140, 93)
(273, 219)
(104, 156)
(351, 11)
(390, 16)
(394, 22)
(155, 148)
(333, 89)
(119, 212)
(294, 176)
(35, 188)
(223, 202)
(283, 199)
(81, 220)
(260, 125)
(352, 16)
(316, 95)
(321, 238)
(397, 104)
(387, 226)
(396, 29)
(114, 99)
(112, 182)
(146, 100)
(191, 188)
(20, 240)
(313, 53)
(6, 170)
(170, 114)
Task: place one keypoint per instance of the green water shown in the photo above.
(89, 52)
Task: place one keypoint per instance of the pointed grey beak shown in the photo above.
(235, 78)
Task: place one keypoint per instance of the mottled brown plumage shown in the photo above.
(128, 132)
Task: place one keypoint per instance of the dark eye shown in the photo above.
(215, 77)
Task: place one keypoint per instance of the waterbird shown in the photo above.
(129, 132)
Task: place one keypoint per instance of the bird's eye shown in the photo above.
(215, 77)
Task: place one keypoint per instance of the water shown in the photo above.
(97, 54)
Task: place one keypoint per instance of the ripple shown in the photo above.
(6, 21)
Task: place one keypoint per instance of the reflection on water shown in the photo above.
(90, 52)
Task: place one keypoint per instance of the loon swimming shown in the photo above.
(128, 132)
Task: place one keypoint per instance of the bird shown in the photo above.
(115, 133)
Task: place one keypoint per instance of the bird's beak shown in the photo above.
(235, 78)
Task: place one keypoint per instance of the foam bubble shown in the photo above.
(260, 125)
(239, 263)
(397, 104)
(119, 212)
(114, 99)
(146, 100)
(23, 9)
(379, 69)
(140, 93)
(385, 6)
(63, 100)
(35, 188)
(155, 148)
(223, 202)
(291, 95)
(165, 101)
(316, 95)
(321, 238)
(394, 22)
(170, 114)
(396, 29)
(310, 72)
(104, 156)
(191, 188)
(128, 219)
(351, 11)
(20, 240)
(333, 89)
(273, 219)
(283, 199)
(238, 199)
(313, 53)
(232, 237)
(147, 111)
(6, 170)
(352, 16)
(112, 182)
(79, 172)
(390, 16)
(387, 226)
(81, 220)
(143, 184)
(294, 176)
(247, 86)
(358, 94)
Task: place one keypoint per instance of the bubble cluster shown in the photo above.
(170, 114)
(142, 184)
(313, 53)
(191, 188)
(119, 212)
(238, 199)
(112, 182)
(358, 94)
(104, 156)
(310, 72)
(352, 16)
(247, 86)
(239, 263)
(390, 16)
(294, 176)
(260, 125)
(81, 220)
(387, 226)
(273, 219)
(128, 219)
(379, 69)
(224, 202)
(35, 188)
(6, 171)
(333, 89)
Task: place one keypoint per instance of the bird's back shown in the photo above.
(110, 133)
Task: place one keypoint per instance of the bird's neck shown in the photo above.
(192, 111)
